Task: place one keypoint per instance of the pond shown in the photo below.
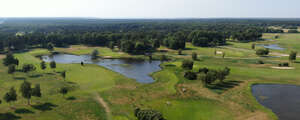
(131, 68)
(271, 46)
(283, 100)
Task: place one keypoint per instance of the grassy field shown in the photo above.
(173, 95)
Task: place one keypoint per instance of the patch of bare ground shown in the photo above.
(2, 56)
(258, 115)
(101, 101)
(284, 68)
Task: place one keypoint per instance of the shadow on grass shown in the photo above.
(36, 76)
(19, 78)
(221, 87)
(71, 98)
(23, 111)
(44, 107)
(50, 73)
(8, 116)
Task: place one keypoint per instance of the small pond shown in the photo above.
(271, 46)
(131, 68)
(283, 100)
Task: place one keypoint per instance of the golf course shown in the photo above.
(96, 92)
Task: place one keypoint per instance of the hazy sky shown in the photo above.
(150, 8)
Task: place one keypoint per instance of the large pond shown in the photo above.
(132, 68)
(271, 46)
(283, 100)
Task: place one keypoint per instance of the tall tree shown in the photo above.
(36, 91)
(26, 91)
(293, 56)
(11, 69)
(52, 64)
(95, 54)
(63, 91)
(63, 74)
(43, 65)
(11, 96)
(10, 59)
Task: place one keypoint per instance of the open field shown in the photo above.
(98, 90)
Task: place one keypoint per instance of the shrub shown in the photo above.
(260, 62)
(194, 56)
(262, 52)
(203, 70)
(28, 67)
(190, 75)
(187, 64)
(283, 64)
(148, 114)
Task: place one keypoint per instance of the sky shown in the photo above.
(151, 8)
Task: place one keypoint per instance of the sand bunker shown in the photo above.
(283, 68)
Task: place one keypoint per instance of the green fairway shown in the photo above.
(171, 94)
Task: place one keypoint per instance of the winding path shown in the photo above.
(101, 101)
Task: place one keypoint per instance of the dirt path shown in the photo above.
(106, 107)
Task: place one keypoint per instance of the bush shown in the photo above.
(203, 70)
(262, 52)
(190, 75)
(148, 114)
(283, 64)
(187, 64)
(28, 67)
(194, 56)
(180, 52)
(260, 62)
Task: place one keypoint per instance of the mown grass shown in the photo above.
(173, 95)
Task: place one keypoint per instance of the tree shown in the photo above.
(50, 46)
(148, 114)
(190, 75)
(111, 45)
(221, 74)
(293, 56)
(187, 64)
(194, 56)
(63, 91)
(28, 68)
(209, 77)
(11, 69)
(43, 65)
(36, 91)
(253, 46)
(10, 59)
(63, 74)
(52, 64)
(95, 54)
(262, 52)
(163, 58)
(26, 91)
(11, 95)
(180, 52)
(203, 70)
(223, 54)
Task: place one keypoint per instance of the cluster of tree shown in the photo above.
(207, 38)
(26, 90)
(148, 114)
(293, 31)
(262, 52)
(10, 60)
(246, 36)
(175, 41)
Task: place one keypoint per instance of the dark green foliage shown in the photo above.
(10, 59)
(190, 75)
(26, 90)
(260, 62)
(221, 74)
(111, 45)
(283, 64)
(175, 41)
(156, 43)
(11, 95)
(95, 54)
(203, 70)
(194, 56)
(293, 56)
(148, 114)
(187, 64)
(163, 58)
(52, 64)
(63, 91)
(207, 38)
(36, 91)
(63, 74)
(11, 69)
(43, 65)
(262, 52)
(293, 31)
(28, 68)
(180, 52)
(50, 46)
(276, 37)
(253, 46)
(247, 35)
